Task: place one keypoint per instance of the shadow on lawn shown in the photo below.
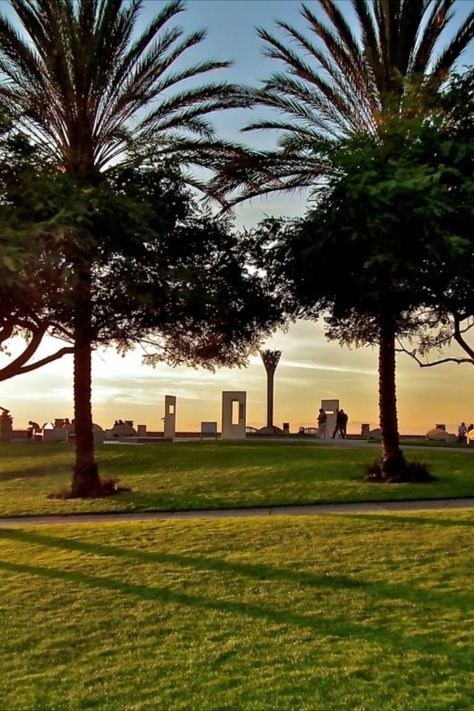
(327, 626)
(403, 520)
(164, 458)
(254, 571)
(37, 472)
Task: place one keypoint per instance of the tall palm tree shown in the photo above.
(89, 91)
(347, 75)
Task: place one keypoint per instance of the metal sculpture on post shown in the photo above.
(270, 361)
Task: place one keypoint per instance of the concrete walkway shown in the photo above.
(328, 442)
(305, 510)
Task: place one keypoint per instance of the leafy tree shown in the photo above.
(93, 94)
(27, 272)
(359, 67)
(165, 273)
(365, 255)
(448, 316)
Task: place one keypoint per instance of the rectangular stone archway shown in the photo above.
(234, 414)
(330, 407)
(170, 417)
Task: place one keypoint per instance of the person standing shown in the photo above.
(462, 433)
(341, 424)
(343, 419)
(322, 423)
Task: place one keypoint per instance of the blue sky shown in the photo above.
(310, 368)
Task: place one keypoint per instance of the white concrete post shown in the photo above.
(330, 407)
(234, 414)
(170, 417)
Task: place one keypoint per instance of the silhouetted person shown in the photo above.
(33, 427)
(343, 418)
(322, 423)
(341, 424)
(462, 433)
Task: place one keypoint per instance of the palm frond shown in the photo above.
(439, 14)
(370, 38)
(349, 64)
(336, 82)
(458, 43)
(409, 23)
(88, 90)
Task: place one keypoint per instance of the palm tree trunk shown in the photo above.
(85, 482)
(393, 461)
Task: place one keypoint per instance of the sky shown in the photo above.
(310, 369)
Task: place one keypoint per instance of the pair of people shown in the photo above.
(463, 432)
(341, 423)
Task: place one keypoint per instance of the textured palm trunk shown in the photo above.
(393, 462)
(86, 480)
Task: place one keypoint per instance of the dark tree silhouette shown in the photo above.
(358, 66)
(91, 93)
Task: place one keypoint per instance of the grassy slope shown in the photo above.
(368, 612)
(202, 475)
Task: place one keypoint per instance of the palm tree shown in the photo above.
(90, 92)
(351, 72)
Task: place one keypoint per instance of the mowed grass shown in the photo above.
(366, 613)
(212, 475)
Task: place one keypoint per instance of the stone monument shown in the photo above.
(330, 407)
(170, 417)
(234, 413)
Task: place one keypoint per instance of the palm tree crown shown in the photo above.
(79, 82)
(342, 77)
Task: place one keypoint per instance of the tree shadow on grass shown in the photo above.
(37, 472)
(392, 591)
(340, 628)
(404, 519)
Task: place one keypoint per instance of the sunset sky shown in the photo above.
(310, 368)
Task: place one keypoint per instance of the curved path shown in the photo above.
(304, 510)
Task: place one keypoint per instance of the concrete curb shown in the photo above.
(303, 510)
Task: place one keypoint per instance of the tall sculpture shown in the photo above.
(270, 361)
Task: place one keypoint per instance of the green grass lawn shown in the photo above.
(211, 475)
(366, 613)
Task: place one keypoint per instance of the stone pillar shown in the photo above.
(330, 407)
(170, 417)
(270, 361)
(234, 414)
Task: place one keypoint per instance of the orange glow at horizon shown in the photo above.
(310, 369)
